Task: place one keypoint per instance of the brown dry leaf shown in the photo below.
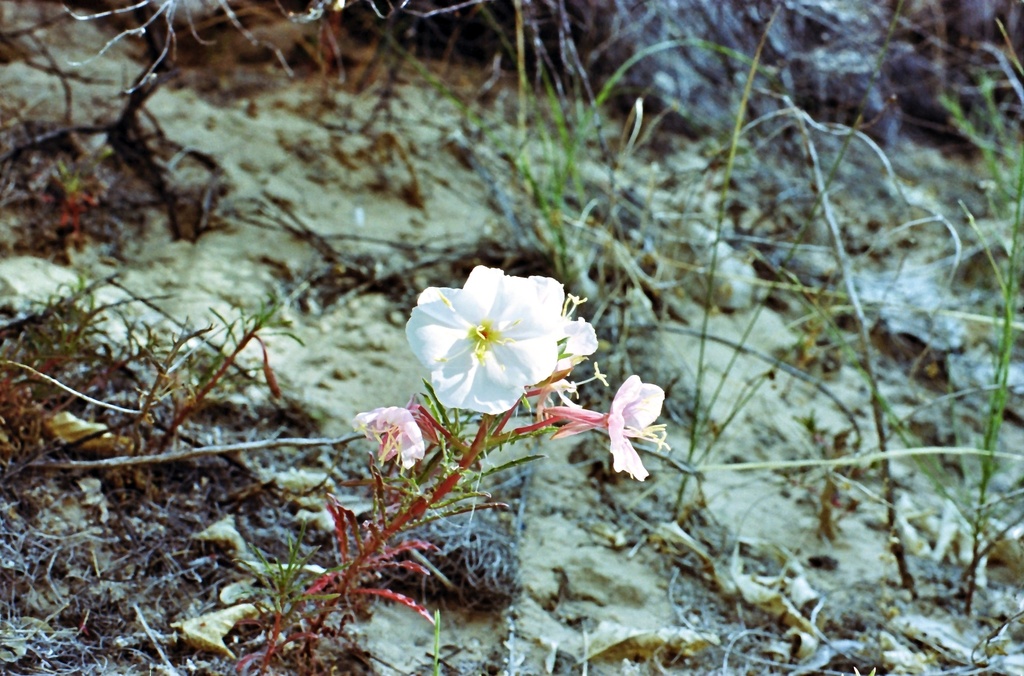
(673, 538)
(207, 632)
(302, 481)
(615, 641)
(761, 592)
(225, 533)
(612, 537)
(15, 638)
(953, 536)
(237, 591)
(800, 591)
(71, 429)
(942, 637)
(897, 657)
(767, 598)
(92, 488)
(12, 648)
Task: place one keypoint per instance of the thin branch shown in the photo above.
(165, 7)
(867, 357)
(251, 37)
(54, 381)
(41, 47)
(439, 10)
(863, 460)
(49, 136)
(679, 465)
(777, 363)
(30, 30)
(103, 15)
(192, 453)
(156, 644)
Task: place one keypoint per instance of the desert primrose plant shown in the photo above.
(498, 345)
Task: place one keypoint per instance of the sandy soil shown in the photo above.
(344, 202)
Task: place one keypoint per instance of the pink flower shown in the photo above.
(396, 431)
(634, 409)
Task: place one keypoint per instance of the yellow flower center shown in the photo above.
(484, 336)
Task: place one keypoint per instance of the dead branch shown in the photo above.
(192, 453)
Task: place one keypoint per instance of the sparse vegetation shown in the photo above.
(825, 280)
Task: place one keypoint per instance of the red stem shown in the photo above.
(504, 420)
(271, 642)
(417, 509)
(188, 408)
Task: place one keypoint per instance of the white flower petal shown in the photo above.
(582, 338)
(481, 292)
(550, 293)
(528, 361)
(466, 383)
(436, 332)
(433, 294)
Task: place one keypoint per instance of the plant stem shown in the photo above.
(701, 419)
(185, 411)
(1010, 287)
(379, 538)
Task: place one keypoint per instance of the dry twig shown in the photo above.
(867, 357)
(192, 453)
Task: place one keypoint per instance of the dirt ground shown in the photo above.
(340, 196)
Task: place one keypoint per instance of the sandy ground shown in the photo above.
(345, 203)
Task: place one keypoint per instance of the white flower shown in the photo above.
(485, 343)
